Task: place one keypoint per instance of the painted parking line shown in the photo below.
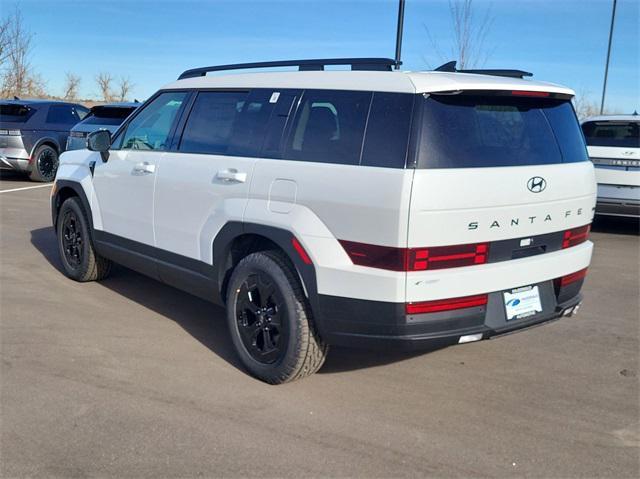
(26, 188)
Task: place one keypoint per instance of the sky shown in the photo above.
(152, 41)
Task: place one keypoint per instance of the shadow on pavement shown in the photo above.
(205, 321)
(6, 175)
(616, 225)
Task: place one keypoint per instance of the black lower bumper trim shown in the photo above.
(376, 325)
(613, 207)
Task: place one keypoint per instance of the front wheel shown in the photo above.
(79, 259)
(45, 164)
(270, 321)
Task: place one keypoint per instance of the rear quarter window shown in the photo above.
(65, 114)
(388, 129)
(329, 127)
(472, 131)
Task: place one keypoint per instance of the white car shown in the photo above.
(368, 207)
(613, 143)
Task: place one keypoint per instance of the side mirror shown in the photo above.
(99, 141)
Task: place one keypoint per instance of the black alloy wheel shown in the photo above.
(261, 318)
(72, 239)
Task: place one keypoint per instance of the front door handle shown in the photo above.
(232, 176)
(144, 167)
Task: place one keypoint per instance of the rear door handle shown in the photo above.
(232, 176)
(144, 167)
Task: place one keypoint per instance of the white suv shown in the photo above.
(363, 207)
(613, 143)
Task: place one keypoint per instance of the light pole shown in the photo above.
(606, 68)
(398, 62)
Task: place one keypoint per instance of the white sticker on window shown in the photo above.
(274, 97)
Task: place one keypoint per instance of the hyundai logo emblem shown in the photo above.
(536, 184)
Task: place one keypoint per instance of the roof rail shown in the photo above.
(451, 67)
(376, 64)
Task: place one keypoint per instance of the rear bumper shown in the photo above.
(618, 200)
(379, 325)
(14, 164)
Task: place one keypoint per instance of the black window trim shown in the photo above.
(178, 128)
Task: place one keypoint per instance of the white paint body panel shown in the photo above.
(126, 194)
(192, 203)
(446, 203)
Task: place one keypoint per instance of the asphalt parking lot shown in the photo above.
(130, 378)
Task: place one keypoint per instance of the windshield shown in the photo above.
(623, 134)
(472, 131)
(15, 113)
(107, 115)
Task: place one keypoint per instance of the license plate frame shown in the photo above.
(520, 303)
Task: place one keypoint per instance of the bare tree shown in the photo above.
(124, 88)
(104, 81)
(5, 25)
(71, 85)
(469, 34)
(585, 105)
(16, 74)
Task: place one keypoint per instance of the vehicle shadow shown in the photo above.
(205, 321)
(616, 225)
(6, 175)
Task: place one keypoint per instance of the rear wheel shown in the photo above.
(79, 259)
(270, 321)
(45, 164)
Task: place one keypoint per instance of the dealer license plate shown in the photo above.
(522, 302)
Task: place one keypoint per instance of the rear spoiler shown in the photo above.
(450, 67)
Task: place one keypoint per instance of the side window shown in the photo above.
(388, 129)
(150, 129)
(81, 111)
(251, 124)
(62, 115)
(329, 127)
(211, 122)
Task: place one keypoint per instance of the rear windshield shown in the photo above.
(472, 131)
(624, 134)
(15, 113)
(107, 115)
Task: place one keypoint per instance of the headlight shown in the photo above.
(10, 133)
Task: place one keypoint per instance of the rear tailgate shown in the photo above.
(509, 172)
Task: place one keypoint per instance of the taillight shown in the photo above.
(571, 278)
(10, 133)
(575, 236)
(374, 256)
(416, 259)
(442, 257)
(446, 304)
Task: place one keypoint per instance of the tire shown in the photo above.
(77, 254)
(267, 310)
(45, 164)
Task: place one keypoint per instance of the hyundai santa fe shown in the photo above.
(370, 208)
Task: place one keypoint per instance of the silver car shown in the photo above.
(101, 117)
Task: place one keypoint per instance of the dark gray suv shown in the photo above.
(33, 134)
